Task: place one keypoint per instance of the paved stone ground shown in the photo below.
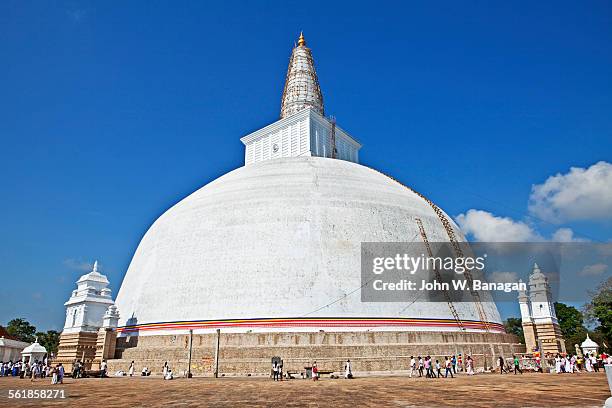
(485, 390)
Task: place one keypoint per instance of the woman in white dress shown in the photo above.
(470, 365)
(558, 364)
(54, 375)
(131, 369)
(588, 364)
(347, 369)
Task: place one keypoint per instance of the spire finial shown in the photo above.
(301, 40)
(95, 267)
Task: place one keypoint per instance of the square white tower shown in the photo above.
(305, 133)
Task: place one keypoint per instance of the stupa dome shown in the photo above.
(276, 245)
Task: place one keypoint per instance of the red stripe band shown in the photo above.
(311, 322)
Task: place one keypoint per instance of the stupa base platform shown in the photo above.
(251, 353)
(76, 346)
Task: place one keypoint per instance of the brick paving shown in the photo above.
(484, 390)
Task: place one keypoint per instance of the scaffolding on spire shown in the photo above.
(302, 88)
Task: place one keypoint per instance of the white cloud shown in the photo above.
(565, 235)
(581, 194)
(593, 270)
(78, 265)
(486, 227)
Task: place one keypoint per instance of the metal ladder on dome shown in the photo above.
(438, 277)
(458, 251)
(334, 150)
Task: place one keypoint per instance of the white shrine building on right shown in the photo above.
(539, 320)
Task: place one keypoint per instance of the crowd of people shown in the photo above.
(426, 367)
(577, 363)
(33, 370)
(449, 366)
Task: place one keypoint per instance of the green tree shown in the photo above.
(570, 319)
(599, 310)
(571, 323)
(21, 329)
(514, 325)
(49, 340)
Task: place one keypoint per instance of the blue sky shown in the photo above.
(110, 112)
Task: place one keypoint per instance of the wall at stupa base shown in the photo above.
(76, 346)
(105, 346)
(549, 335)
(529, 332)
(251, 353)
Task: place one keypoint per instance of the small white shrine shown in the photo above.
(34, 352)
(588, 346)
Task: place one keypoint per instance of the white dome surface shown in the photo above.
(280, 239)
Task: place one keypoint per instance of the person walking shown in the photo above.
(315, 371)
(60, 373)
(470, 365)
(165, 369)
(412, 366)
(420, 366)
(54, 375)
(517, 366)
(454, 363)
(438, 373)
(274, 371)
(75, 368)
(347, 370)
(131, 369)
(595, 362)
(538, 365)
(502, 365)
(103, 369)
(35, 372)
(449, 368)
(592, 363)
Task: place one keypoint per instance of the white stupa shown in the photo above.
(275, 245)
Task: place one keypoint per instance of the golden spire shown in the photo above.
(301, 40)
